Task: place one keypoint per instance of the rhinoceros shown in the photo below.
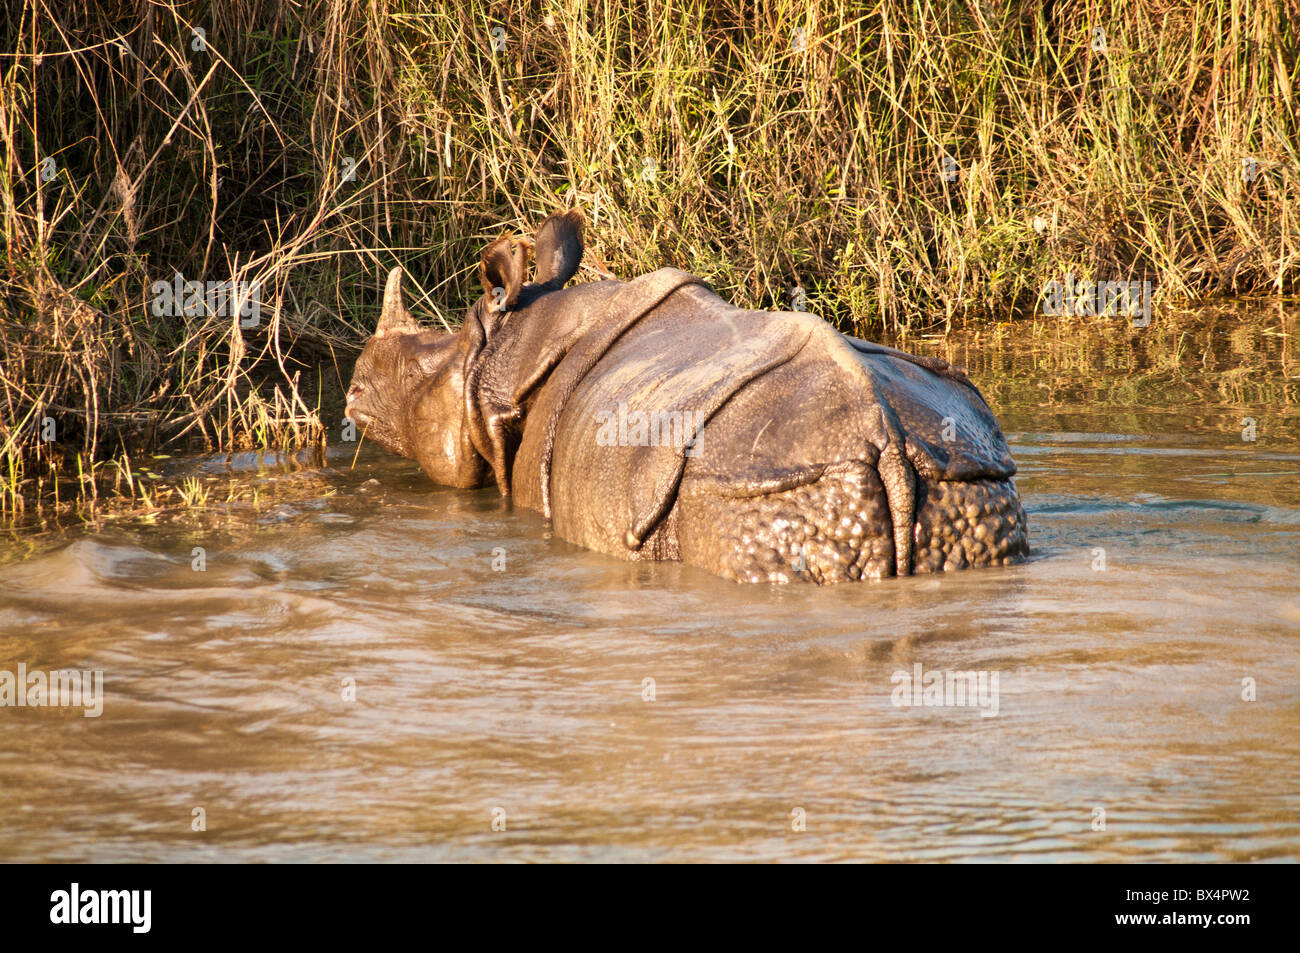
(652, 420)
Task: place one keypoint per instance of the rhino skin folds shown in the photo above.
(650, 419)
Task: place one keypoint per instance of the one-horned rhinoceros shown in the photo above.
(652, 420)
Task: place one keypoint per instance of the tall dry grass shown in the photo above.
(899, 165)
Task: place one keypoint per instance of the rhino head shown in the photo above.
(408, 389)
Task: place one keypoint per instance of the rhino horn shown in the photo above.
(393, 316)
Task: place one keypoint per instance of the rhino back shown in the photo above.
(773, 400)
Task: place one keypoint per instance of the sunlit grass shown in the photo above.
(908, 165)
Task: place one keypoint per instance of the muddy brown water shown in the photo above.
(502, 709)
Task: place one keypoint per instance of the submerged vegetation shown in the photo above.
(893, 167)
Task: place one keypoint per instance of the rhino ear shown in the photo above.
(394, 316)
(503, 269)
(559, 248)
